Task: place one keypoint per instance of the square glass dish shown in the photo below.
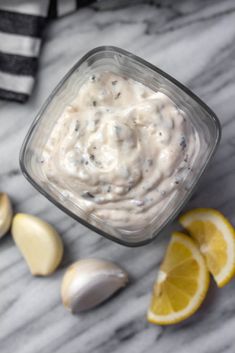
(124, 64)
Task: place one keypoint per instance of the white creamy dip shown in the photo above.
(120, 151)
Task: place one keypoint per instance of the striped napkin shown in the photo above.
(22, 23)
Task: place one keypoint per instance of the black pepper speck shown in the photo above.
(117, 95)
(87, 194)
(183, 143)
(77, 126)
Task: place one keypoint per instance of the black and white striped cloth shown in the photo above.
(22, 23)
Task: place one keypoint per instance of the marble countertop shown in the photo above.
(194, 42)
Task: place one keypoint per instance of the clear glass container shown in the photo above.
(121, 62)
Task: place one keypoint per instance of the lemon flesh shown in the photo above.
(216, 239)
(182, 282)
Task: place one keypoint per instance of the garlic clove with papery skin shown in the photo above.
(6, 213)
(89, 282)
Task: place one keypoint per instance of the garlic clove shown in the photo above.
(6, 213)
(39, 243)
(89, 282)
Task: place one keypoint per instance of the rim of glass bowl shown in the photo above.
(36, 121)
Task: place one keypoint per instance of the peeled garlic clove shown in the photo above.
(5, 214)
(89, 282)
(39, 243)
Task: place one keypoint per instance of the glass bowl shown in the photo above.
(121, 62)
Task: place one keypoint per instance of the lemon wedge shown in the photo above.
(216, 239)
(182, 282)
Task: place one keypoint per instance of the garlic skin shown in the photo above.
(89, 282)
(6, 214)
(39, 243)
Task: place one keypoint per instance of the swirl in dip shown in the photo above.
(120, 151)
